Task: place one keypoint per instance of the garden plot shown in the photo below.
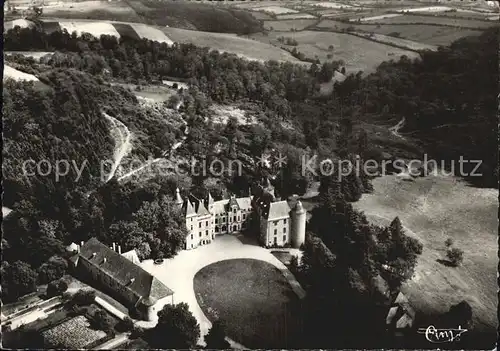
(151, 33)
(95, 28)
(74, 334)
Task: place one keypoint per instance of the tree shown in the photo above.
(56, 287)
(53, 269)
(460, 314)
(455, 255)
(216, 337)
(176, 328)
(18, 279)
(125, 325)
(448, 242)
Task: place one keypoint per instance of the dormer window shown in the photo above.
(131, 281)
(93, 255)
(234, 210)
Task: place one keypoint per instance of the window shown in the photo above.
(200, 234)
(234, 210)
(234, 219)
(199, 224)
(223, 219)
(206, 233)
(275, 222)
(284, 230)
(191, 228)
(284, 238)
(217, 221)
(244, 216)
(284, 221)
(206, 223)
(191, 236)
(276, 232)
(238, 218)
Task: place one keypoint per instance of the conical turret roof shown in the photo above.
(178, 197)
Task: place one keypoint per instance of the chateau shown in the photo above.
(280, 223)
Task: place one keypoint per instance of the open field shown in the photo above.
(11, 72)
(95, 28)
(289, 25)
(277, 10)
(358, 54)
(432, 35)
(436, 20)
(295, 15)
(404, 43)
(253, 298)
(105, 10)
(433, 209)
(247, 48)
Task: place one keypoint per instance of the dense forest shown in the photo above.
(444, 96)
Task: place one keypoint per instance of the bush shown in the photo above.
(127, 324)
(83, 297)
(455, 255)
(102, 320)
(56, 287)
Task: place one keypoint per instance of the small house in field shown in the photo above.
(401, 315)
(122, 279)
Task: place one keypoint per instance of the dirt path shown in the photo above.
(122, 137)
(395, 129)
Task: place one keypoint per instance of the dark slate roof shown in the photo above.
(279, 209)
(127, 273)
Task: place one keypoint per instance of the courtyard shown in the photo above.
(179, 273)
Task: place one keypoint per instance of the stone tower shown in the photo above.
(298, 215)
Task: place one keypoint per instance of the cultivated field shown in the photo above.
(277, 10)
(447, 21)
(405, 43)
(247, 48)
(432, 35)
(295, 15)
(151, 33)
(289, 25)
(433, 209)
(11, 72)
(358, 54)
(95, 28)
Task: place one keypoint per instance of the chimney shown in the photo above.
(81, 244)
(114, 246)
(119, 249)
(104, 260)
